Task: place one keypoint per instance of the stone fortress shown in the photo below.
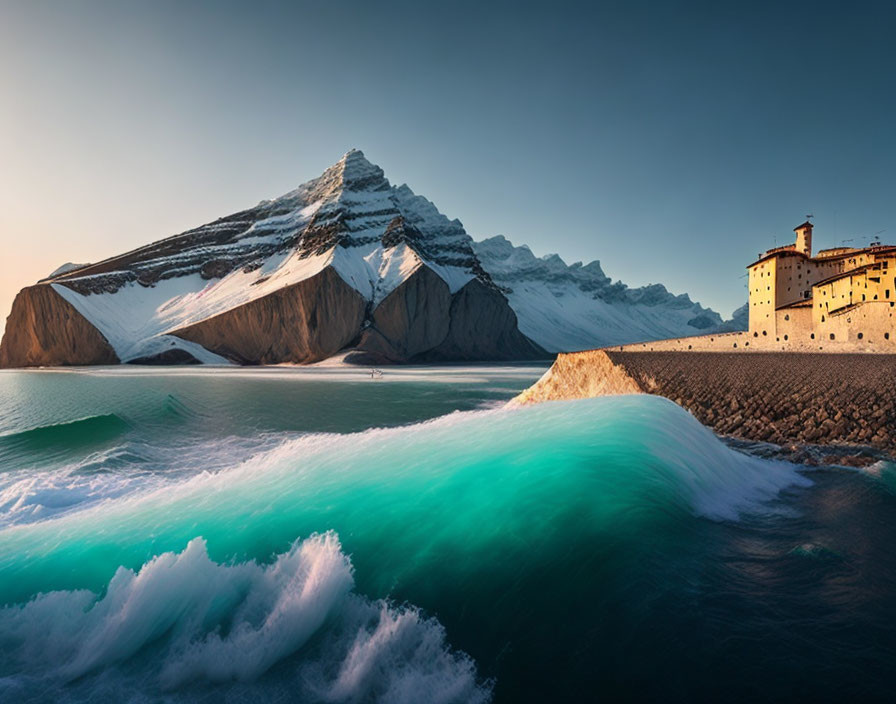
(842, 295)
(840, 300)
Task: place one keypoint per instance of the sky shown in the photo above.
(673, 141)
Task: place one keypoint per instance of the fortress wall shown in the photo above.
(872, 320)
(774, 397)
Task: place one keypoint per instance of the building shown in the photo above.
(841, 296)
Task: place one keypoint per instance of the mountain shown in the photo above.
(574, 307)
(345, 263)
(740, 320)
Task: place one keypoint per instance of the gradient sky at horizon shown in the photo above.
(673, 141)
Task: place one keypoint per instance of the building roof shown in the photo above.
(802, 303)
(832, 251)
(843, 275)
(805, 224)
(786, 251)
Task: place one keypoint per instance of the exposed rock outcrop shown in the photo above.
(44, 329)
(483, 326)
(411, 320)
(303, 323)
(421, 321)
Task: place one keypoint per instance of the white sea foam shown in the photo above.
(184, 619)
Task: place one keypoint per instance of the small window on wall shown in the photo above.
(886, 336)
(887, 293)
(812, 336)
(860, 336)
(764, 332)
(785, 338)
(787, 317)
(832, 336)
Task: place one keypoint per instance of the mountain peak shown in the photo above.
(353, 172)
(358, 172)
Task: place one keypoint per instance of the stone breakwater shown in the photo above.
(784, 398)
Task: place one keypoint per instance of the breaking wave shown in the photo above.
(183, 620)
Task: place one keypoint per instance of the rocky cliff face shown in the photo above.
(45, 330)
(306, 322)
(344, 261)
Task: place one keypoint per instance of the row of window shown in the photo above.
(859, 336)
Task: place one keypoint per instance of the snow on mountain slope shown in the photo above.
(374, 235)
(573, 307)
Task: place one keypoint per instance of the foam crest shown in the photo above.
(184, 619)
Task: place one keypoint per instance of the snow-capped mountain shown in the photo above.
(573, 307)
(346, 262)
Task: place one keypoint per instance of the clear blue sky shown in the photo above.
(672, 141)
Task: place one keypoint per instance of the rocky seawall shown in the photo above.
(785, 398)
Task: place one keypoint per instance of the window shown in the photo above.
(832, 336)
(785, 337)
(860, 336)
(764, 332)
(812, 335)
(886, 336)
(755, 334)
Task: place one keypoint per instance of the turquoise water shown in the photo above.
(316, 535)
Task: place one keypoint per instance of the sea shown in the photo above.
(333, 535)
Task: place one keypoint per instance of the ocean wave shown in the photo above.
(183, 619)
(612, 461)
(67, 434)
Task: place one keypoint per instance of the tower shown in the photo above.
(804, 238)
